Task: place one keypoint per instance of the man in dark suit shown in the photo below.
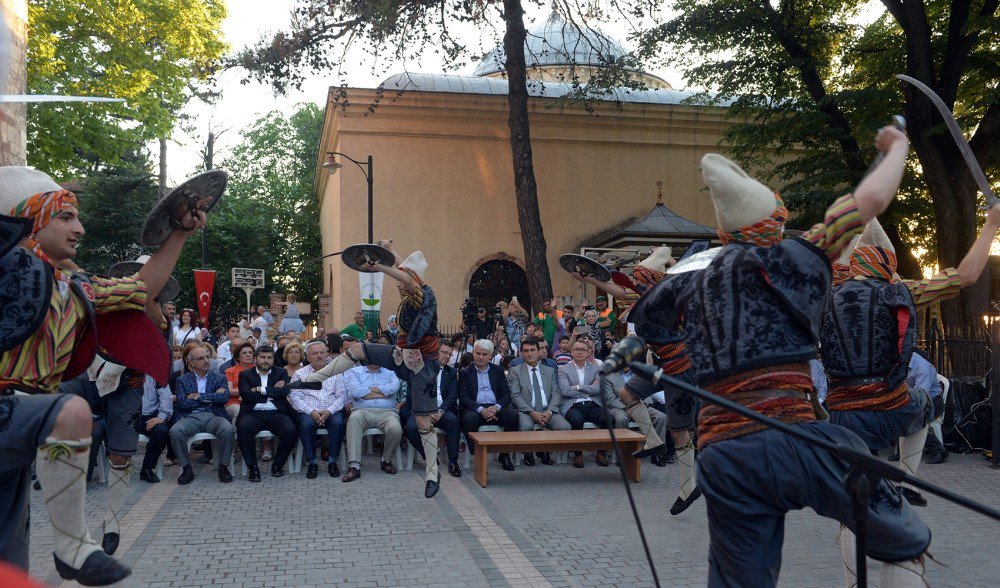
(534, 391)
(201, 408)
(264, 406)
(485, 397)
(446, 417)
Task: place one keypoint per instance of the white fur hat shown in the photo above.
(657, 260)
(740, 200)
(875, 236)
(17, 184)
(415, 263)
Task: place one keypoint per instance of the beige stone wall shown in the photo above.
(444, 182)
(13, 125)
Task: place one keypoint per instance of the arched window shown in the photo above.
(497, 280)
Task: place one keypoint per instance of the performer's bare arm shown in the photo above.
(974, 262)
(877, 190)
(609, 287)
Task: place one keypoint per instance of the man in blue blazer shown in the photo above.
(485, 397)
(446, 417)
(201, 408)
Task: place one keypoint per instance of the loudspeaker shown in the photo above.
(984, 295)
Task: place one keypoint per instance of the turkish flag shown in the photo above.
(204, 281)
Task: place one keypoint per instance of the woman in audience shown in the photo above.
(293, 357)
(187, 331)
(291, 321)
(243, 360)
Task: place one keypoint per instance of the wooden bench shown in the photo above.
(585, 440)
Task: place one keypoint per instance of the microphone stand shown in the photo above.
(863, 476)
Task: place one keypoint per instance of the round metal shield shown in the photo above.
(358, 256)
(123, 269)
(572, 262)
(201, 191)
(695, 262)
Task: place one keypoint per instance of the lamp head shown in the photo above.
(331, 165)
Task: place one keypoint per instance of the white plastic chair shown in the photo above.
(369, 434)
(938, 420)
(482, 429)
(209, 437)
(104, 463)
(410, 450)
(298, 454)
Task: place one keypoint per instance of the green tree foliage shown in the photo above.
(267, 218)
(156, 54)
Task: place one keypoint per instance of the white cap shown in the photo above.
(657, 260)
(740, 201)
(874, 236)
(18, 183)
(415, 263)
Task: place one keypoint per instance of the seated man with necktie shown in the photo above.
(534, 392)
(485, 397)
(446, 418)
(372, 391)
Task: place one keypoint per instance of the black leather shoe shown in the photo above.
(660, 449)
(670, 458)
(659, 461)
(333, 470)
(529, 460)
(224, 476)
(912, 496)
(682, 505)
(454, 470)
(186, 477)
(505, 461)
(253, 473)
(547, 458)
(312, 471)
(109, 543)
(148, 476)
(936, 457)
(277, 472)
(100, 569)
(432, 487)
(894, 456)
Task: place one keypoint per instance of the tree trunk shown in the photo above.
(163, 167)
(907, 265)
(525, 188)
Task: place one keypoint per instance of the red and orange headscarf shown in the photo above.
(42, 208)
(874, 262)
(762, 233)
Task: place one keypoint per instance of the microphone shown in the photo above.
(626, 351)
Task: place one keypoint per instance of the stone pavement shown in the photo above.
(540, 526)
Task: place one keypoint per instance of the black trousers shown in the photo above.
(472, 420)
(158, 440)
(248, 424)
(589, 411)
(447, 423)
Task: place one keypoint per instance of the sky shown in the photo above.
(241, 104)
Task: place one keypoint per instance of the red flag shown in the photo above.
(204, 280)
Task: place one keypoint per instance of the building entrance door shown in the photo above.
(497, 280)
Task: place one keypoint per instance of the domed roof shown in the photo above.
(557, 43)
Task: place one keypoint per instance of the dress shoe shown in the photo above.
(224, 476)
(277, 472)
(602, 459)
(148, 476)
(36, 485)
(670, 458)
(312, 471)
(253, 473)
(388, 468)
(432, 486)
(578, 460)
(333, 470)
(187, 476)
(912, 496)
(936, 457)
(547, 458)
(660, 449)
(454, 470)
(109, 543)
(99, 569)
(529, 460)
(506, 462)
(680, 506)
(659, 461)
(894, 456)
(351, 475)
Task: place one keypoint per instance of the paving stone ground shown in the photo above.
(539, 526)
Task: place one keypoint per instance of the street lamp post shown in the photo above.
(332, 165)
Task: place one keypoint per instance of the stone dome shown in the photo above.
(560, 51)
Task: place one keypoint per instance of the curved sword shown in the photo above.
(956, 133)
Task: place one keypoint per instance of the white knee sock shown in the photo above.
(848, 550)
(685, 468)
(429, 439)
(903, 574)
(61, 467)
(640, 414)
(911, 448)
(117, 488)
